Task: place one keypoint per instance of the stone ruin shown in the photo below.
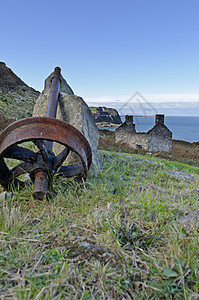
(73, 110)
(159, 138)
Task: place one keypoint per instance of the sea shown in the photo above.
(183, 128)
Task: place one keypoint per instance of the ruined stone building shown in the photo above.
(159, 138)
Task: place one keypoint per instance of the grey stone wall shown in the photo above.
(140, 141)
(127, 126)
(132, 139)
(160, 138)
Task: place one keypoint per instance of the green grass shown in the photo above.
(18, 105)
(93, 109)
(115, 237)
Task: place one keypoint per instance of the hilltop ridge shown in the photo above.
(10, 81)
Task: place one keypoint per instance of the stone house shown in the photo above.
(159, 138)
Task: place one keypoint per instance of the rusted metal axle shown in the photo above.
(43, 164)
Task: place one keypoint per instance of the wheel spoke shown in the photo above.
(19, 170)
(4, 174)
(70, 171)
(42, 147)
(61, 158)
(21, 153)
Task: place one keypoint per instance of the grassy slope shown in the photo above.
(18, 104)
(114, 238)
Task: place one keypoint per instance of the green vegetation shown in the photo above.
(93, 109)
(17, 105)
(114, 237)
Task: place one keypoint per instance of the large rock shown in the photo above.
(73, 110)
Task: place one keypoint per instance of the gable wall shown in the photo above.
(160, 139)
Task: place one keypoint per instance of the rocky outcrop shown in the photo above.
(9, 80)
(73, 110)
(17, 99)
(105, 116)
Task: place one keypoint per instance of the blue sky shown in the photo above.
(107, 50)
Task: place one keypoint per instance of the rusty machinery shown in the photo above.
(42, 131)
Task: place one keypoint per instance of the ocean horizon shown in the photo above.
(185, 128)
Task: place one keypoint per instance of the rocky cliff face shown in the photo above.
(106, 116)
(9, 80)
(17, 99)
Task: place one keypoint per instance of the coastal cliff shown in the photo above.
(106, 117)
(16, 97)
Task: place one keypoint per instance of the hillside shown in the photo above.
(130, 233)
(16, 97)
(106, 116)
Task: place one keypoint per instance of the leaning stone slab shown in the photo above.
(40, 107)
(73, 110)
(76, 112)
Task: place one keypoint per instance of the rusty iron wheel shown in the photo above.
(42, 131)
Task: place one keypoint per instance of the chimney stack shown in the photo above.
(128, 120)
(129, 123)
(159, 119)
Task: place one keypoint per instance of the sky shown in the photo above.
(107, 50)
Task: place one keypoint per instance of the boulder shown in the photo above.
(73, 110)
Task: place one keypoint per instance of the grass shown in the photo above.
(114, 237)
(16, 105)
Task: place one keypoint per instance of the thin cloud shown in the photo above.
(149, 97)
